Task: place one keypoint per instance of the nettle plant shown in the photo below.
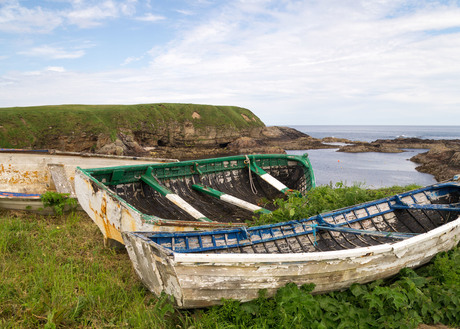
(59, 202)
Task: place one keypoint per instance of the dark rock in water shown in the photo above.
(337, 140)
(369, 147)
(441, 162)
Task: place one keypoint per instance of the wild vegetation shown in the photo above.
(323, 199)
(35, 126)
(58, 202)
(56, 273)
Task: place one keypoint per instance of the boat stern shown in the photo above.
(154, 266)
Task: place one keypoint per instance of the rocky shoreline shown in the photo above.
(441, 159)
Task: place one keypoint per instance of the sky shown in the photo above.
(291, 62)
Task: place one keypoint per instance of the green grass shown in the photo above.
(55, 273)
(36, 126)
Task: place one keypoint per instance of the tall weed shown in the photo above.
(428, 295)
(322, 199)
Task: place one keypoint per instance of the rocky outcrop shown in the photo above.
(370, 147)
(442, 160)
(269, 140)
(398, 145)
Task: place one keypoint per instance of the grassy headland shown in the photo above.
(55, 273)
(36, 126)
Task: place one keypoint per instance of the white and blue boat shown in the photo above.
(333, 250)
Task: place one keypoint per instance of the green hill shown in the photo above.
(41, 126)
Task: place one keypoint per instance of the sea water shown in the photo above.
(372, 133)
(371, 169)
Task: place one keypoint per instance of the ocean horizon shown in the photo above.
(370, 169)
(369, 133)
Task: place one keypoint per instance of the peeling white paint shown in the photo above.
(199, 280)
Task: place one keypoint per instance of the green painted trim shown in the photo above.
(103, 187)
(207, 190)
(263, 211)
(256, 169)
(149, 179)
(285, 190)
(307, 163)
(202, 166)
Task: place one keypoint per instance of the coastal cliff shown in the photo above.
(182, 131)
(125, 129)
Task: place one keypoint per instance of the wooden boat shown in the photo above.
(20, 201)
(333, 250)
(26, 174)
(189, 195)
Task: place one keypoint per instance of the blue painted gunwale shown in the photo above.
(18, 195)
(307, 224)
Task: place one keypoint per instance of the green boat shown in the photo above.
(183, 196)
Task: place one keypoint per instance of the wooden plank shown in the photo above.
(60, 179)
(230, 199)
(383, 234)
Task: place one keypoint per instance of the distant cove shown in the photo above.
(372, 169)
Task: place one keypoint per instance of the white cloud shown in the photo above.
(150, 18)
(314, 53)
(128, 8)
(53, 53)
(131, 60)
(18, 19)
(290, 62)
(90, 16)
(58, 69)
(186, 12)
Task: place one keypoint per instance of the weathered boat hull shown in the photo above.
(119, 199)
(27, 174)
(20, 201)
(201, 276)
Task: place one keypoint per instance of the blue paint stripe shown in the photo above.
(19, 195)
(22, 150)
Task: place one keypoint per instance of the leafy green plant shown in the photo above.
(322, 199)
(428, 295)
(58, 202)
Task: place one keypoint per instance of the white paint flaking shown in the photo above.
(273, 182)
